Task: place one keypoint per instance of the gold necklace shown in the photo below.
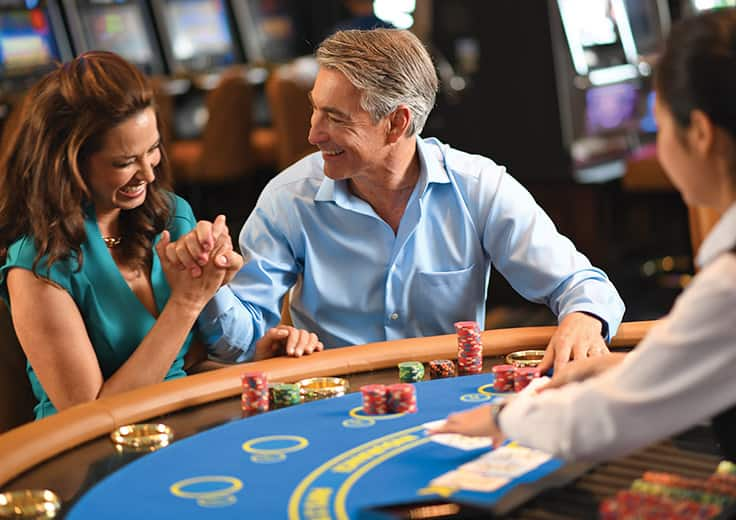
(111, 242)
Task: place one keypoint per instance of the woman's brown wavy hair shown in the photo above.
(44, 191)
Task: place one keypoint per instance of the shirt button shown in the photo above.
(394, 316)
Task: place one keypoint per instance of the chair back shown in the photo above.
(287, 90)
(226, 149)
(16, 397)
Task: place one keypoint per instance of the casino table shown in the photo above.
(323, 459)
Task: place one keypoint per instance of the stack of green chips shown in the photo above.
(411, 371)
(284, 394)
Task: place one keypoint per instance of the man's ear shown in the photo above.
(701, 134)
(398, 121)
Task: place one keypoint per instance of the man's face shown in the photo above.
(351, 144)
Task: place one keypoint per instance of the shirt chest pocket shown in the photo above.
(439, 298)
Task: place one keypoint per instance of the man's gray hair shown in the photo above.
(390, 67)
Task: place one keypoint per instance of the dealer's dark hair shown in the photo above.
(698, 69)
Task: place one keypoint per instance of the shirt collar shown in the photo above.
(431, 170)
(721, 238)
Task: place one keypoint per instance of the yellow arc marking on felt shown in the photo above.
(301, 443)
(176, 488)
(296, 496)
(355, 414)
(344, 489)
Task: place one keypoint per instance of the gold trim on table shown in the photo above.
(322, 387)
(525, 358)
(142, 436)
(29, 503)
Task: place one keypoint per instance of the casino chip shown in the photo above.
(382, 399)
(284, 394)
(469, 348)
(411, 371)
(374, 399)
(672, 496)
(523, 376)
(441, 368)
(505, 376)
(401, 398)
(255, 392)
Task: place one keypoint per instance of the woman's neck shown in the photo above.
(109, 222)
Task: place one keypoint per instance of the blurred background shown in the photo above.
(558, 91)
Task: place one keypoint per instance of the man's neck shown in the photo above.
(389, 190)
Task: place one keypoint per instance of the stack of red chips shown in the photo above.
(523, 376)
(505, 378)
(632, 505)
(401, 398)
(255, 393)
(374, 399)
(469, 348)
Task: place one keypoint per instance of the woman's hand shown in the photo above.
(192, 290)
(196, 249)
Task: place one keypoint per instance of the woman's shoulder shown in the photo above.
(23, 253)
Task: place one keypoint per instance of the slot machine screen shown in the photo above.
(124, 27)
(275, 29)
(611, 107)
(27, 42)
(649, 21)
(199, 33)
(592, 34)
(704, 5)
(119, 29)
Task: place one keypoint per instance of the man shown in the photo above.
(384, 235)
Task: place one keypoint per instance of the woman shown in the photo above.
(84, 202)
(682, 372)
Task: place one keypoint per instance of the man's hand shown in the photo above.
(583, 369)
(289, 340)
(578, 336)
(477, 422)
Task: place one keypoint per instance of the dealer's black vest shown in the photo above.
(724, 428)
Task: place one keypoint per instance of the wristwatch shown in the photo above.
(495, 410)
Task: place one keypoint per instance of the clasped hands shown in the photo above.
(209, 242)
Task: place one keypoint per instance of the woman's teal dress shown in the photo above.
(115, 318)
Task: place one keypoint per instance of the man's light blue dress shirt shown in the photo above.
(355, 281)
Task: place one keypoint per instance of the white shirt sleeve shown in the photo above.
(680, 374)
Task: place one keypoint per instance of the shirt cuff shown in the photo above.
(226, 328)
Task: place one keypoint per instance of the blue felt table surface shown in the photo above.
(323, 459)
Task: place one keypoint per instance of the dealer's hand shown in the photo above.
(577, 337)
(477, 422)
(583, 369)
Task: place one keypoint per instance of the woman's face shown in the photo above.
(680, 162)
(119, 173)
